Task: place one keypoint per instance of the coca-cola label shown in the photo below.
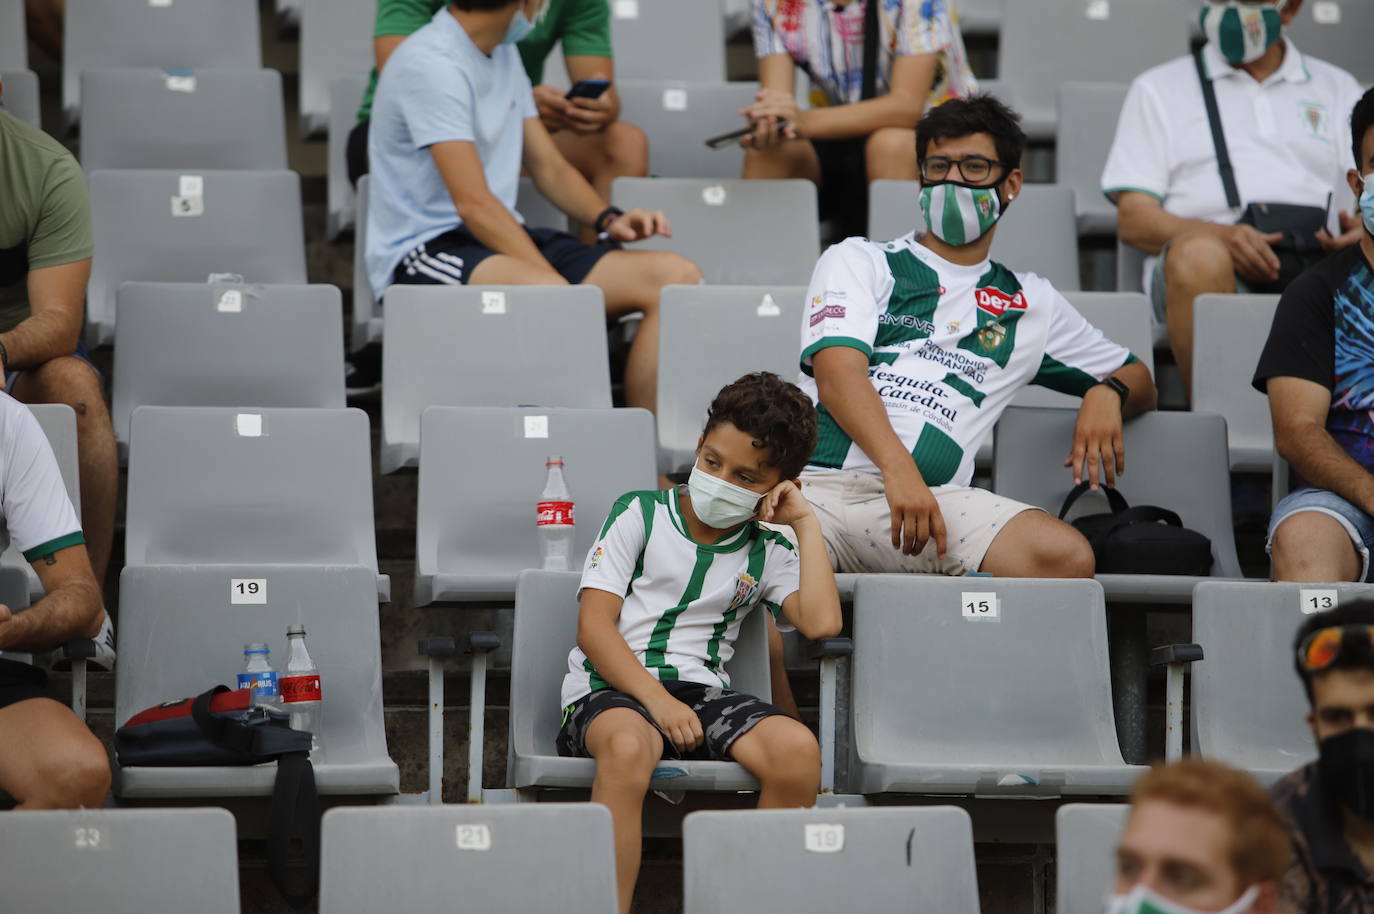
(300, 688)
(555, 513)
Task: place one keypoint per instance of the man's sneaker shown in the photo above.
(104, 650)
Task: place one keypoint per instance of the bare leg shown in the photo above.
(1035, 545)
(1195, 265)
(1313, 547)
(792, 159)
(503, 270)
(619, 151)
(48, 759)
(777, 672)
(890, 152)
(626, 748)
(783, 754)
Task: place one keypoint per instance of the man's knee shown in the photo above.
(1306, 547)
(77, 777)
(628, 148)
(1198, 258)
(71, 381)
(794, 756)
(629, 754)
(674, 270)
(888, 147)
(1064, 552)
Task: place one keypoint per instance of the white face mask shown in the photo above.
(1143, 900)
(719, 504)
(1367, 203)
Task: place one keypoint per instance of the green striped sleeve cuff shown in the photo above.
(829, 341)
(1111, 193)
(46, 549)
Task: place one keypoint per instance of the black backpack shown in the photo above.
(1140, 540)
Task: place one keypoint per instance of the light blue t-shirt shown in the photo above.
(438, 87)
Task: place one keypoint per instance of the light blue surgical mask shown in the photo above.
(1367, 203)
(519, 28)
(719, 504)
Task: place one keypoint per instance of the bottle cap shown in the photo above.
(554, 461)
(295, 630)
(256, 647)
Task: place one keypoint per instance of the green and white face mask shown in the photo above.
(960, 214)
(1142, 900)
(1242, 32)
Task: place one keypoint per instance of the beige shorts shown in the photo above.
(857, 526)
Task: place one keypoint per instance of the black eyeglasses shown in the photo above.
(973, 169)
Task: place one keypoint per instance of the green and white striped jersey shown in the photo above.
(684, 601)
(948, 346)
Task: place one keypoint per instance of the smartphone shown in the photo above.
(588, 88)
(733, 137)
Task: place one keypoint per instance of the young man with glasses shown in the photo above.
(911, 349)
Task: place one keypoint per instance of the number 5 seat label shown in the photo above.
(248, 590)
(979, 605)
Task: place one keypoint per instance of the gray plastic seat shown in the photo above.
(738, 232)
(708, 337)
(679, 117)
(1174, 460)
(826, 859)
(1229, 333)
(195, 344)
(249, 224)
(367, 317)
(21, 95)
(1088, 113)
(212, 485)
(58, 421)
(1334, 30)
(1016, 705)
(481, 472)
(150, 118)
(1038, 234)
(1086, 835)
(370, 859)
(14, 43)
(657, 40)
(345, 96)
(184, 621)
(1123, 317)
(488, 346)
(120, 861)
(537, 209)
(1248, 706)
(336, 40)
(220, 34)
(545, 630)
(1060, 41)
(981, 17)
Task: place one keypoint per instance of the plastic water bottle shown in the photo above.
(259, 676)
(300, 688)
(555, 519)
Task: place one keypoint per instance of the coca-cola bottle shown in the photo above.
(301, 695)
(555, 519)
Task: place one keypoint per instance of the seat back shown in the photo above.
(367, 326)
(481, 472)
(21, 91)
(679, 116)
(1086, 836)
(709, 336)
(1174, 460)
(546, 610)
(655, 40)
(14, 42)
(345, 96)
(1229, 333)
(193, 344)
(211, 485)
(146, 225)
(536, 209)
(336, 40)
(1123, 317)
(825, 859)
(1088, 113)
(1038, 234)
(117, 861)
(1026, 686)
(738, 232)
(221, 34)
(151, 118)
(1333, 31)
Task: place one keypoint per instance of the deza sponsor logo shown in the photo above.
(996, 302)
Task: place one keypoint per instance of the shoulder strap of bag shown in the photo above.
(1115, 500)
(870, 72)
(1209, 98)
(295, 808)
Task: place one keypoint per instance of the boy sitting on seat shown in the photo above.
(664, 592)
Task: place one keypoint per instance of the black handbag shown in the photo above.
(1141, 540)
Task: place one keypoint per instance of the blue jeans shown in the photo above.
(1357, 524)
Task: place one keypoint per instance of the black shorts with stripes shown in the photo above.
(450, 258)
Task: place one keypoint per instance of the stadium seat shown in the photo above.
(336, 40)
(367, 317)
(203, 34)
(1086, 836)
(14, 43)
(120, 861)
(536, 209)
(1229, 332)
(192, 621)
(149, 226)
(738, 232)
(708, 337)
(1015, 691)
(212, 485)
(679, 117)
(58, 421)
(488, 346)
(148, 118)
(1088, 113)
(657, 40)
(545, 630)
(193, 344)
(345, 95)
(1248, 706)
(1037, 234)
(829, 859)
(475, 858)
(1123, 318)
(1174, 460)
(21, 95)
(1335, 31)
(981, 17)
(481, 472)
(1060, 41)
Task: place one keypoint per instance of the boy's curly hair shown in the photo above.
(775, 413)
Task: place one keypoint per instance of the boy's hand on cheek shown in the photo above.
(785, 505)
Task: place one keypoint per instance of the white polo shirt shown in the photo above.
(1289, 137)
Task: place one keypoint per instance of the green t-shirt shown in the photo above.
(584, 27)
(45, 215)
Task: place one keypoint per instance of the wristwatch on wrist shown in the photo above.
(603, 222)
(1116, 384)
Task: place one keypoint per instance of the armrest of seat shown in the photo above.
(1175, 654)
(483, 642)
(437, 647)
(78, 649)
(825, 648)
(829, 651)
(480, 644)
(1174, 658)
